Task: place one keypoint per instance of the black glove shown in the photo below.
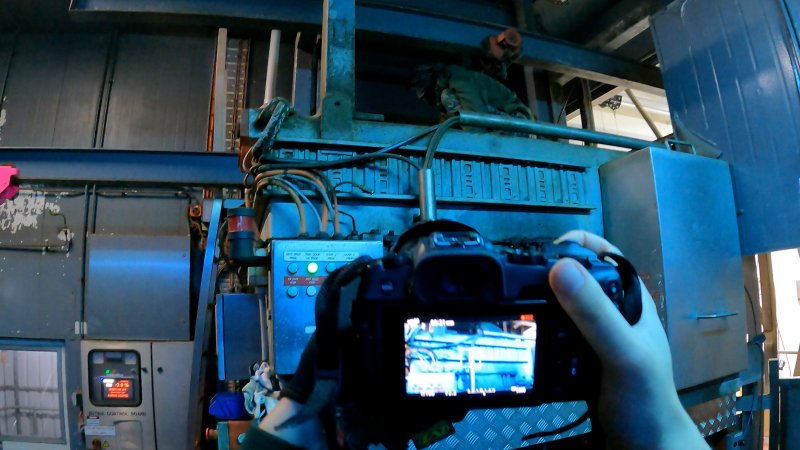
(301, 385)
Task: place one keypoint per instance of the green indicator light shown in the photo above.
(312, 268)
(108, 371)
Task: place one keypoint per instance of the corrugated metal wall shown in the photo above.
(126, 91)
(101, 90)
(729, 71)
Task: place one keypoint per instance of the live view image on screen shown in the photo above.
(455, 357)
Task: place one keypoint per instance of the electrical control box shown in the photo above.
(298, 268)
(136, 394)
(115, 377)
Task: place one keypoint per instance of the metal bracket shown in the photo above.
(337, 84)
(680, 146)
(754, 403)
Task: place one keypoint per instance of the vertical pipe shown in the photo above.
(262, 322)
(427, 195)
(587, 109)
(16, 377)
(523, 10)
(644, 114)
(272, 65)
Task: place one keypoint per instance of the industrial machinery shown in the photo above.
(171, 293)
(135, 394)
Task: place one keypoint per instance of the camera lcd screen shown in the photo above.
(452, 357)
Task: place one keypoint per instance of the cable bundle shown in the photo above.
(292, 176)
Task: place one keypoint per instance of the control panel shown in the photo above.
(118, 410)
(136, 394)
(298, 270)
(115, 378)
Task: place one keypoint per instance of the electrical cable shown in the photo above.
(583, 418)
(409, 140)
(354, 230)
(783, 344)
(303, 196)
(318, 187)
(339, 163)
(323, 185)
(436, 138)
(296, 198)
(761, 371)
(286, 186)
(360, 187)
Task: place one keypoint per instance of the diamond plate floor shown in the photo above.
(502, 429)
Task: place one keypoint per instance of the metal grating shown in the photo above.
(236, 57)
(502, 429)
(715, 415)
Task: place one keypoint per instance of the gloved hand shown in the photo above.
(301, 385)
(638, 404)
(292, 420)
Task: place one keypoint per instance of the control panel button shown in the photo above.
(311, 291)
(330, 267)
(292, 291)
(292, 268)
(312, 268)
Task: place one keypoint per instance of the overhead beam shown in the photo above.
(124, 167)
(619, 25)
(443, 33)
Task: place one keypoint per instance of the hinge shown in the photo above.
(81, 328)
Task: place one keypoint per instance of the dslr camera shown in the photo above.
(448, 322)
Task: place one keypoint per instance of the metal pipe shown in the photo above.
(644, 114)
(488, 121)
(272, 65)
(427, 195)
(263, 324)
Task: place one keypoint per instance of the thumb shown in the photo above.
(589, 307)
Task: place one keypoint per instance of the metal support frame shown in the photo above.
(124, 167)
(338, 79)
(550, 130)
(205, 314)
(379, 22)
(587, 109)
(644, 114)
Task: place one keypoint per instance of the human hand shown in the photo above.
(638, 406)
(308, 433)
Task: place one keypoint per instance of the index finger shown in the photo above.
(591, 241)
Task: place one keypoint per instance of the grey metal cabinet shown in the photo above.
(673, 216)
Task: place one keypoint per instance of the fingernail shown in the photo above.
(568, 277)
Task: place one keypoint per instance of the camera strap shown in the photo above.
(631, 304)
(326, 315)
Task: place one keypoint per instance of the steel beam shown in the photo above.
(444, 33)
(124, 167)
(338, 77)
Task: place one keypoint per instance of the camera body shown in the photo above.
(448, 323)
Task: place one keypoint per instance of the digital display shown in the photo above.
(115, 378)
(117, 389)
(449, 357)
